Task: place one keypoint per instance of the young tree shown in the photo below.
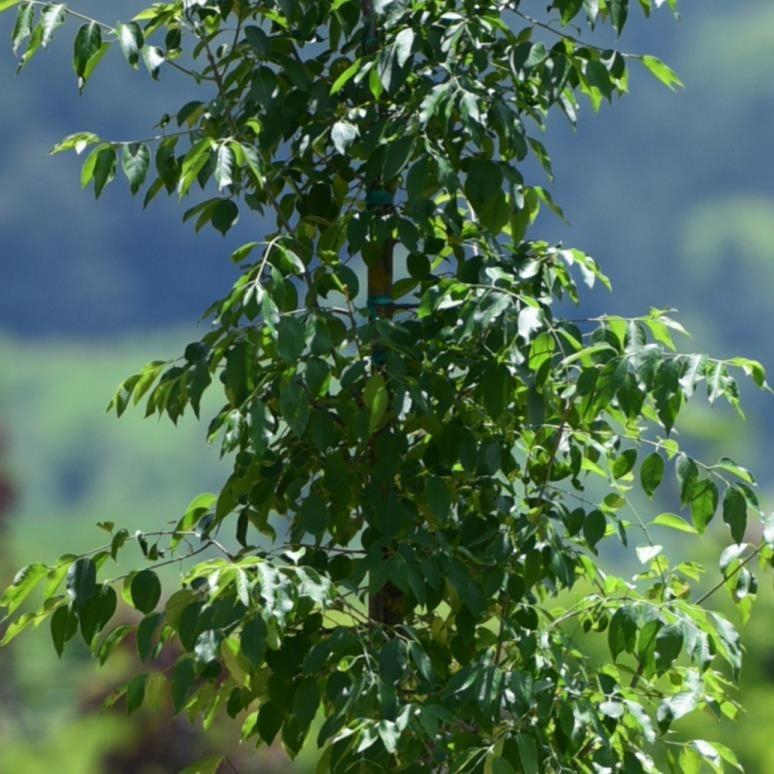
(425, 462)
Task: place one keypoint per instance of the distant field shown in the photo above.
(74, 463)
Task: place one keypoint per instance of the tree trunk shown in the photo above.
(386, 606)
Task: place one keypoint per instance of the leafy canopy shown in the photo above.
(426, 458)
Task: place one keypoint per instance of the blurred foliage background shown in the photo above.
(672, 193)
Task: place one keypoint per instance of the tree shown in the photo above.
(424, 469)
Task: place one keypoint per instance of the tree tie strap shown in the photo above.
(379, 198)
(375, 303)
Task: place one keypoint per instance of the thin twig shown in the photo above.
(567, 36)
(707, 594)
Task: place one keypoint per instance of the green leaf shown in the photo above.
(693, 373)
(225, 215)
(88, 42)
(64, 624)
(81, 582)
(690, 760)
(432, 102)
(135, 161)
(669, 643)
(146, 631)
(529, 321)
(104, 169)
(289, 262)
(91, 65)
(97, 612)
(17, 626)
(594, 526)
(397, 156)
(438, 498)
(622, 631)
(687, 472)
(291, 339)
(570, 10)
(51, 18)
(501, 766)
(624, 463)
(537, 53)
(167, 164)
(752, 368)
(269, 721)
(306, 700)
(22, 29)
(642, 718)
(156, 692)
(646, 642)
(145, 591)
(24, 583)
(648, 553)
(727, 464)
(662, 72)
(100, 166)
(135, 692)
(36, 38)
(153, 57)
(346, 76)
(483, 182)
(728, 756)
(495, 384)
(704, 503)
(652, 473)
(242, 253)
(131, 42)
(6, 4)
(258, 40)
(612, 709)
(675, 707)
(619, 10)
(586, 353)
(672, 521)
(422, 660)
(376, 399)
(735, 512)
(207, 647)
(112, 641)
(224, 166)
(471, 113)
(56, 575)
(343, 134)
(314, 516)
(483, 188)
(403, 43)
(147, 377)
(182, 683)
(528, 753)
(717, 380)
(236, 373)
(253, 641)
(389, 733)
(295, 408)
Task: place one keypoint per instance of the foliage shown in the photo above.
(421, 473)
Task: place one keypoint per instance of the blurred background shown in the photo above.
(672, 193)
